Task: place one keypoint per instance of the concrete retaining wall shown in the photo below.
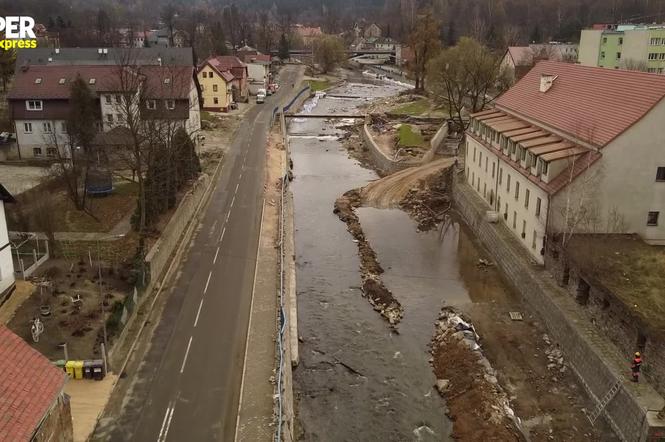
(435, 142)
(382, 161)
(593, 358)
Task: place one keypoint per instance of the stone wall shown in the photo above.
(597, 362)
(159, 256)
(613, 318)
(57, 425)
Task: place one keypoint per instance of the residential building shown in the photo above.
(372, 31)
(7, 281)
(39, 101)
(105, 56)
(258, 68)
(307, 34)
(571, 149)
(518, 60)
(635, 47)
(216, 87)
(233, 65)
(33, 404)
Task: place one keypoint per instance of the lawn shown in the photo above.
(408, 137)
(318, 85)
(414, 108)
(627, 266)
(108, 210)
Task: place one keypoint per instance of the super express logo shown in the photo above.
(18, 32)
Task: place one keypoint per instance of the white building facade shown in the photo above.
(555, 157)
(7, 280)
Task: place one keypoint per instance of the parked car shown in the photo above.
(7, 137)
(260, 98)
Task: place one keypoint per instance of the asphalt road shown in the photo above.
(189, 382)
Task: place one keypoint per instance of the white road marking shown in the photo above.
(196, 321)
(207, 282)
(184, 361)
(233, 200)
(237, 185)
(216, 253)
(221, 237)
(240, 177)
(166, 423)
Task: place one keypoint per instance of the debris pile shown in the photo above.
(370, 270)
(429, 202)
(555, 357)
(478, 406)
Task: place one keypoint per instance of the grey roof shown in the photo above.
(91, 56)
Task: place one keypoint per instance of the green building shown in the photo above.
(638, 47)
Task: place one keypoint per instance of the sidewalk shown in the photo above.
(256, 409)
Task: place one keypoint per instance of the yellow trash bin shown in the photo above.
(78, 369)
(69, 368)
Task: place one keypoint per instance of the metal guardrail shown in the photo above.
(283, 319)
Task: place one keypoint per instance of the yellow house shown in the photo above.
(216, 87)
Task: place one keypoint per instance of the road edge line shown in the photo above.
(249, 323)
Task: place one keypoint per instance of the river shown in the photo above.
(357, 380)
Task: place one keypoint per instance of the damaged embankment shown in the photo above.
(477, 405)
(370, 270)
(421, 192)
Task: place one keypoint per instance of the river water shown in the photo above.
(357, 380)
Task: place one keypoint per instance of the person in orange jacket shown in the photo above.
(635, 367)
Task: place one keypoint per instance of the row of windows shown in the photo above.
(656, 41)
(656, 55)
(47, 127)
(50, 152)
(215, 100)
(510, 148)
(602, 55)
(620, 40)
(475, 182)
(656, 70)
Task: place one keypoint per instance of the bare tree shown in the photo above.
(461, 77)
(631, 64)
(424, 41)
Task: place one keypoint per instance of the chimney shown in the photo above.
(546, 82)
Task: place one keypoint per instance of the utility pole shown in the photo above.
(101, 297)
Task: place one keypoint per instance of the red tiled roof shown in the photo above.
(29, 384)
(106, 79)
(587, 103)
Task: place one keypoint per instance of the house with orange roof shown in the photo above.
(33, 404)
(572, 149)
(224, 79)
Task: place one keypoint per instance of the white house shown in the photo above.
(39, 101)
(7, 280)
(573, 149)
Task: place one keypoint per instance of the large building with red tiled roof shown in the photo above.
(33, 405)
(39, 101)
(573, 149)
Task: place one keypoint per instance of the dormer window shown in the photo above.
(34, 105)
(61, 81)
(92, 81)
(167, 81)
(38, 81)
(544, 166)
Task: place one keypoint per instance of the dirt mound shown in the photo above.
(390, 191)
(428, 203)
(373, 288)
(477, 405)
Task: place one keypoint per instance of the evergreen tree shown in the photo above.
(284, 47)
